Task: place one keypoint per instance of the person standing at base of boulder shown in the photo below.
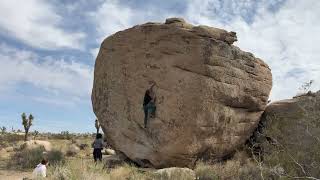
(97, 145)
(149, 106)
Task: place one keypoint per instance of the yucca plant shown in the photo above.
(27, 123)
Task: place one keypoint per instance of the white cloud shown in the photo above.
(60, 79)
(94, 52)
(113, 16)
(37, 24)
(284, 39)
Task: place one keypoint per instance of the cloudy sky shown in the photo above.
(48, 48)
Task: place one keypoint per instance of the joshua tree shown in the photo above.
(3, 129)
(97, 125)
(27, 123)
(35, 134)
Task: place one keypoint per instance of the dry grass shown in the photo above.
(127, 172)
(29, 158)
(241, 166)
(77, 169)
(83, 169)
(205, 172)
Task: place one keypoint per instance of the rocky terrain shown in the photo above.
(289, 135)
(210, 94)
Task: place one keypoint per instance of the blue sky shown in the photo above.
(48, 48)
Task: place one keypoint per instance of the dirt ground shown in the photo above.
(6, 174)
(14, 175)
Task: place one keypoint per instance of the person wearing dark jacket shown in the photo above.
(97, 145)
(149, 106)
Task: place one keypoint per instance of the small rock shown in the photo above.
(9, 149)
(83, 146)
(72, 150)
(113, 161)
(110, 151)
(76, 141)
(175, 172)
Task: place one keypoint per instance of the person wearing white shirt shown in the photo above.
(41, 169)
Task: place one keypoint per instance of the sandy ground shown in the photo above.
(14, 175)
(6, 174)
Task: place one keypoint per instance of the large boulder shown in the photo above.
(72, 150)
(289, 135)
(32, 144)
(210, 94)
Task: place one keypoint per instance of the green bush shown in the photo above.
(29, 158)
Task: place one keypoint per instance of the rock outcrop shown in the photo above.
(210, 94)
(289, 135)
(32, 144)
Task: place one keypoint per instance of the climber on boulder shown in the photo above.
(149, 106)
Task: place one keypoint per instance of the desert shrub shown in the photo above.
(72, 150)
(126, 171)
(83, 146)
(205, 172)
(251, 171)
(239, 167)
(294, 139)
(59, 171)
(66, 135)
(4, 144)
(29, 158)
(55, 157)
(11, 138)
(62, 135)
(78, 169)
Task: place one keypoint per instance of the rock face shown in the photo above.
(290, 132)
(210, 94)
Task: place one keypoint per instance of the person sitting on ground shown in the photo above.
(149, 106)
(41, 169)
(97, 145)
